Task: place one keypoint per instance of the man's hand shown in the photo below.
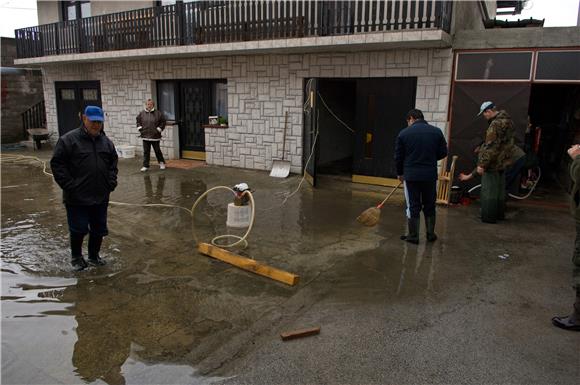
(480, 170)
(465, 177)
(401, 178)
(574, 151)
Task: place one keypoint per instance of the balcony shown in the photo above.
(210, 22)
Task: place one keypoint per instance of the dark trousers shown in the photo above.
(147, 151)
(88, 219)
(576, 271)
(492, 196)
(576, 259)
(420, 196)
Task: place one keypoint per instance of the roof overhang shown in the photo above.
(551, 37)
(416, 39)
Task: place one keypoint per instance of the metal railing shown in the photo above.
(34, 117)
(206, 22)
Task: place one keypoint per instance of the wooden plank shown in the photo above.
(248, 264)
(299, 333)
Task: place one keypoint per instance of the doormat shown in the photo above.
(184, 164)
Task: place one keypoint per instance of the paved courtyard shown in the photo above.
(452, 312)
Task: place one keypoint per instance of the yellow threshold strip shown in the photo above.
(195, 155)
(248, 264)
(375, 180)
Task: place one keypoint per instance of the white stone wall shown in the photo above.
(260, 89)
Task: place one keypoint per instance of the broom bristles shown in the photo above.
(370, 216)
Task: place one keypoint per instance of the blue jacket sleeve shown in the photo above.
(113, 170)
(399, 155)
(59, 165)
(442, 150)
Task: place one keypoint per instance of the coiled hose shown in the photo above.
(214, 241)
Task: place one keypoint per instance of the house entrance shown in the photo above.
(190, 103)
(554, 126)
(71, 100)
(351, 126)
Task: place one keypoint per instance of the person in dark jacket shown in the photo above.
(417, 150)
(151, 123)
(84, 165)
(572, 321)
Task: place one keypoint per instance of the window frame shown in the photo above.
(64, 6)
(459, 53)
(177, 94)
(552, 81)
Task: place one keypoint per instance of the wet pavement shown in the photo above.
(389, 312)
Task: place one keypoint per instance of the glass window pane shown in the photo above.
(86, 9)
(166, 92)
(558, 65)
(71, 11)
(90, 94)
(220, 99)
(494, 66)
(67, 94)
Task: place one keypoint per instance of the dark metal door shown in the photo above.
(311, 132)
(382, 105)
(195, 109)
(71, 100)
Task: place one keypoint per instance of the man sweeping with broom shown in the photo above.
(418, 148)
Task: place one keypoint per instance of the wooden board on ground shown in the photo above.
(299, 333)
(248, 264)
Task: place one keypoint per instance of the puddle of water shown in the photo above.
(159, 306)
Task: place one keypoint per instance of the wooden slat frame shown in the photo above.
(445, 181)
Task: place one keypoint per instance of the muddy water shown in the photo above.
(159, 312)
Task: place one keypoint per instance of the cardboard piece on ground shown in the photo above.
(299, 333)
(248, 264)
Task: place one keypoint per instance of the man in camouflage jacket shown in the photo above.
(495, 156)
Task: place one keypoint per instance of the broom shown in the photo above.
(370, 216)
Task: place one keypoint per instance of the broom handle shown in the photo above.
(284, 135)
(388, 196)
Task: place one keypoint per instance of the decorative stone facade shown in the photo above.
(260, 89)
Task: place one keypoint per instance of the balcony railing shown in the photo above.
(207, 22)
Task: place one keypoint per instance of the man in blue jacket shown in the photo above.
(84, 165)
(418, 148)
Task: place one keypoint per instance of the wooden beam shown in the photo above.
(299, 333)
(248, 264)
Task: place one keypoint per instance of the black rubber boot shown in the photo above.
(413, 235)
(95, 242)
(571, 322)
(430, 225)
(76, 249)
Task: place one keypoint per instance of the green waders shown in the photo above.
(492, 196)
(572, 321)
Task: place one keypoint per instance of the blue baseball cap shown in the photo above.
(485, 106)
(95, 114)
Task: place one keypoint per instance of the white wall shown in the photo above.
(48, 12)
(105, 7)
(260, 89)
